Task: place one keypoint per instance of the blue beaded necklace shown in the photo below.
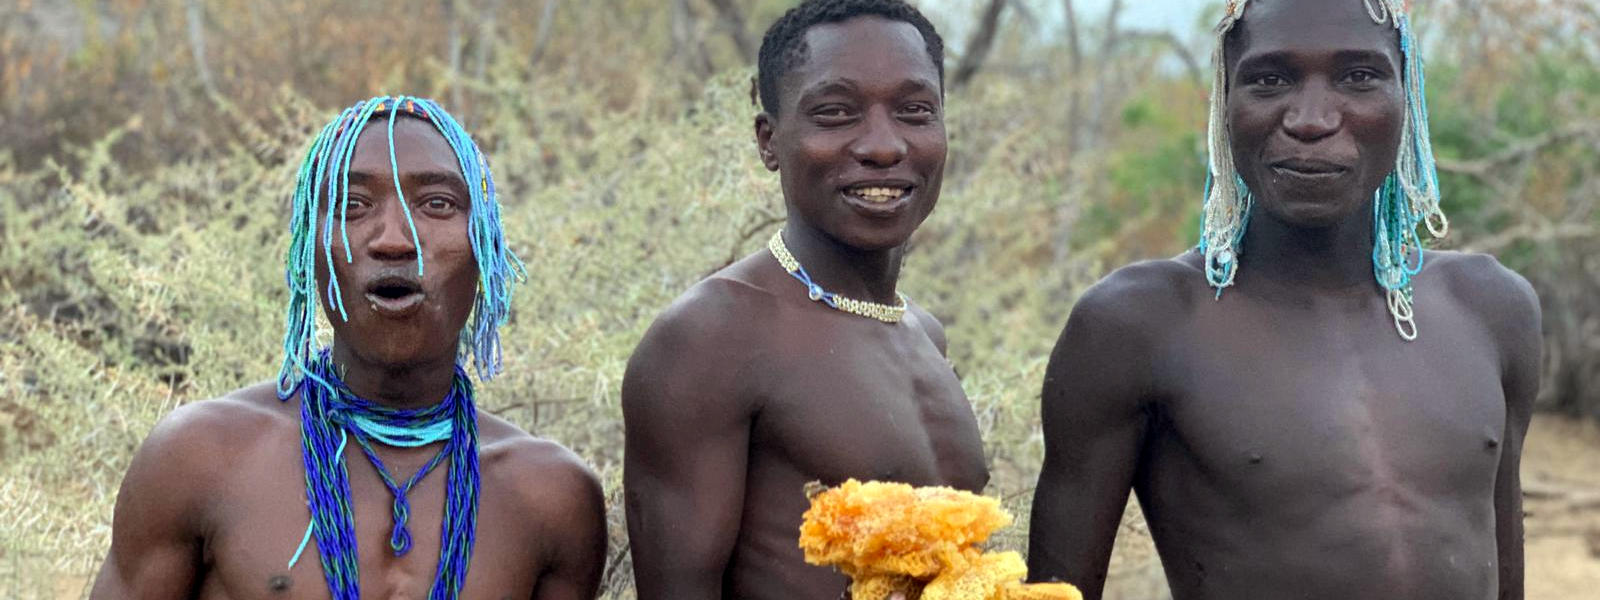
(330, 414)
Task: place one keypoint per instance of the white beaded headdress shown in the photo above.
(1409, 198)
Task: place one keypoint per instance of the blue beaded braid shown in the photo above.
(327, 408)
(1407, 200)
(324, 175)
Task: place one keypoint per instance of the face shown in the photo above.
(396, 317)
(859, 139)
(1315, 107)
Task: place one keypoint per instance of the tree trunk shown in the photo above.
(733, 20)
(979, 45)
(195, 16)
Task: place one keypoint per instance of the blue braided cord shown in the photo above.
(394, 169)
(327, 405)
(307, 537)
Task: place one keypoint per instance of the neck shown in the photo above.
(1337, 257)
(408, 386)
(869, 275)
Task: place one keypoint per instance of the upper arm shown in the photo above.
(569, 496)
(1511, 310)
(156, 530)
(1094, 423)
(687, 428)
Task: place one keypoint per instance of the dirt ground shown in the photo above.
(1561, 496)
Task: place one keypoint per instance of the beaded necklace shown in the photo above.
(871, 310)
(327, 408)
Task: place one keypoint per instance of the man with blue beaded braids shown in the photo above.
(1308, 405)
(801, 362)
(367, 470)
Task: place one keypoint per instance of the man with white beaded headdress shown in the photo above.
(1308, 404)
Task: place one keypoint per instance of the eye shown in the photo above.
(832, 114)
(439, 206)
(918, 111)
(1268, 80)
(355, 206)
(1363, 76)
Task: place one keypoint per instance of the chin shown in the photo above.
(1313, 213)
(877, 236)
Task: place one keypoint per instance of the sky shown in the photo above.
(1178, 16)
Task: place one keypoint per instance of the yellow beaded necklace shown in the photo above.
(871, 310)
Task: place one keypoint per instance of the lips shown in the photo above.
(1308, 169)
(395, 295)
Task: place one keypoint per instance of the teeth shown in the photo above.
(879, 194)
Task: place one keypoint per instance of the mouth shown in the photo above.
(1308, 169)
(879, 198)
(394, 296)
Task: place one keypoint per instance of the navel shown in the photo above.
(1255, 458)
(1491, 443)
(279, 584)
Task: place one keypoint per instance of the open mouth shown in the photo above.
(394, 295)
(879, 196)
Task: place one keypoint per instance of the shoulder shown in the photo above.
(1501, 297)
(930, 325)
(544, 477)
(1116, 326)
(1143, 296)
(699, 348)
(211, 431)
(192, 448)
(714, 311)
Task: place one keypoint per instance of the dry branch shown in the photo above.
(1481, 167)
(979, 45)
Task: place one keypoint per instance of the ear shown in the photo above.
(764, 128)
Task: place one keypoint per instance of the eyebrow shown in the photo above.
(437, 177)
(416, 178)
(846, 86)
(1284, 57)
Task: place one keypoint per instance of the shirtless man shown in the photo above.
(217, 498)
(1285, 439)
(753, 383)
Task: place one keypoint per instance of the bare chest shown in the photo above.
(870, 408)
(259, 519)
(1289, 405)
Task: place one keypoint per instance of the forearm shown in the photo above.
(1063, 548)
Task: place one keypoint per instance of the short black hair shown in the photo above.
(784, 45)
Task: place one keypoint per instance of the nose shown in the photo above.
(1312, 114)
(393, 240)
(880, 144)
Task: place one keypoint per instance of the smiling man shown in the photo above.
(1311, 406)
(368, 471)
(801, 362)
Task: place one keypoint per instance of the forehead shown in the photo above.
(1310, 27)
(417, 146)
(866, 50)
